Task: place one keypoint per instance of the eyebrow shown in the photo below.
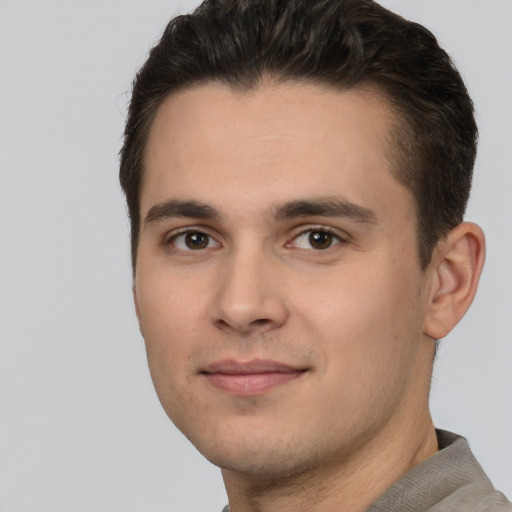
(180, 208)
(321, 207)
(325, 207)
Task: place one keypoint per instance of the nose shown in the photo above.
(251, 295)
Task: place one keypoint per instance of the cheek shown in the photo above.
(169, 319)
(168, 352)
(173, 316)
(371, 348)
(368, 317)
(168, 306)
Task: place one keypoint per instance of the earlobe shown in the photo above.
(458, 260)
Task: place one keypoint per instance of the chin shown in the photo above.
(265, 467)
(261, 458)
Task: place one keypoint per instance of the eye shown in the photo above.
(318, 239)
(193, 241)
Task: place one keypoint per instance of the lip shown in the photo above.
(249, 378)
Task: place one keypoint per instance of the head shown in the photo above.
(296, 174)
(343, 44)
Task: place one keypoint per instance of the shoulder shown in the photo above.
(449, 481)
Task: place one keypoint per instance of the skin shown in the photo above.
(354, 317)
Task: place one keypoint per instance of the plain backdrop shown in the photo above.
(80, 426)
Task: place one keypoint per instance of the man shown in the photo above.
(296, 175)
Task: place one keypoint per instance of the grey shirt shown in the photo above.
(449, 481)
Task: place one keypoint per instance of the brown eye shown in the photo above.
(193, 241)
(316, 239)
(196, 240)
(320, 239)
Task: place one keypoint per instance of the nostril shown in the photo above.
(260, 321)
(248, 327)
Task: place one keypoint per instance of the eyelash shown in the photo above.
(336, 238)
(188, 231)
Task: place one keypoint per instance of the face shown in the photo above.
(278, 284)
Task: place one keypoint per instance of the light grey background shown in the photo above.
(80, 426)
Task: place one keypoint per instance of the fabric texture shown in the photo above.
(449, 481)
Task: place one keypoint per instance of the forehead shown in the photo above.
(274, 143)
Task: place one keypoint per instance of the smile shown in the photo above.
(249, 378)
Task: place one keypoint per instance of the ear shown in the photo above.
(137, 311)
(456, 266)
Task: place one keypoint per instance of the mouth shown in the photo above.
(249, 378)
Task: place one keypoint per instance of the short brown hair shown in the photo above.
(337, 43)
